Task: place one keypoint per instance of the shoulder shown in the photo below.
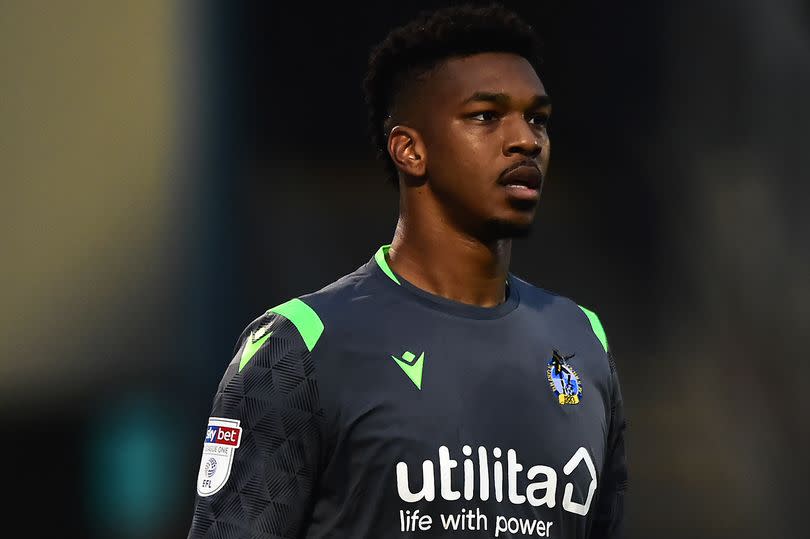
(301, 322)
(562, 311)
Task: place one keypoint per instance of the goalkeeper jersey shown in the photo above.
(374, 409)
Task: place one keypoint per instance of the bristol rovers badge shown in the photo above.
(563, 379)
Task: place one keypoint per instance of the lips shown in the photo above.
(523, 174)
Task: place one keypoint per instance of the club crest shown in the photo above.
(563, 379)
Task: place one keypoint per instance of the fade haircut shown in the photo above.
(410, 52)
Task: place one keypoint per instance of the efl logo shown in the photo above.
(218, 434)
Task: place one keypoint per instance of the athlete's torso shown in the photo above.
(440, 419)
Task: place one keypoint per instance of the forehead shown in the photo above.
(458, 78)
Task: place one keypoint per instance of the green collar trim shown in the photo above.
(379, 257)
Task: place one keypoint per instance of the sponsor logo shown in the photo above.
(492, 477)
(563, 379)
(217, 434)
(222, 439)
(412, 366)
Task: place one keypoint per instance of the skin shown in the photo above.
(456, 222)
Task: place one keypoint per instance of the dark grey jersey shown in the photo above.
(374, 409)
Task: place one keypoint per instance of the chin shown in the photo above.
(498, 229)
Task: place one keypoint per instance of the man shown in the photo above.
(430, 392)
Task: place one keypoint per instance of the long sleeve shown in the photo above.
(262, 449)
(609, 518)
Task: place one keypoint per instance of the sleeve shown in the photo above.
(609, 517)
(262, 447)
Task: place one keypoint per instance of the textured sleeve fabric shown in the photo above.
(270, 389)
(609, 518)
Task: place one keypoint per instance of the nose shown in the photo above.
(521, 138)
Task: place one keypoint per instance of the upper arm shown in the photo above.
(608, 520)
(261, 484)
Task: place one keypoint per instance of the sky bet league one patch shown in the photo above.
(222, 439)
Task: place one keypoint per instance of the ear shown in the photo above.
(407, 150)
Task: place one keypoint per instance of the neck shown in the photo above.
(439, 258)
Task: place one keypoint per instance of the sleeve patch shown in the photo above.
(222, 439)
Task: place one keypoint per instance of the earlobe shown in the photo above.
(405, 149)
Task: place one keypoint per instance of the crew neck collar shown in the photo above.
(380, 265)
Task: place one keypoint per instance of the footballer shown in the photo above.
(431, 392)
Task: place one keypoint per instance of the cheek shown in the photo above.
(474, 153)
(449, 155)
(545, 154)
(463, 162)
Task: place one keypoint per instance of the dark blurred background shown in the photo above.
(170, 170)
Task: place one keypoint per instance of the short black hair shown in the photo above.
(412, 50)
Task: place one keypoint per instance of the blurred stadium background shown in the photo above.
(172, 169)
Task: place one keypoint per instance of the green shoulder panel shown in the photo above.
(306, 321)
(597, 326)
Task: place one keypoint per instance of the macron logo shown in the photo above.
(412, 366)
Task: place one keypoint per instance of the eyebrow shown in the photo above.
(504, 99)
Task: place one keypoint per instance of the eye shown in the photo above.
(485, 116)
(540, 119)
